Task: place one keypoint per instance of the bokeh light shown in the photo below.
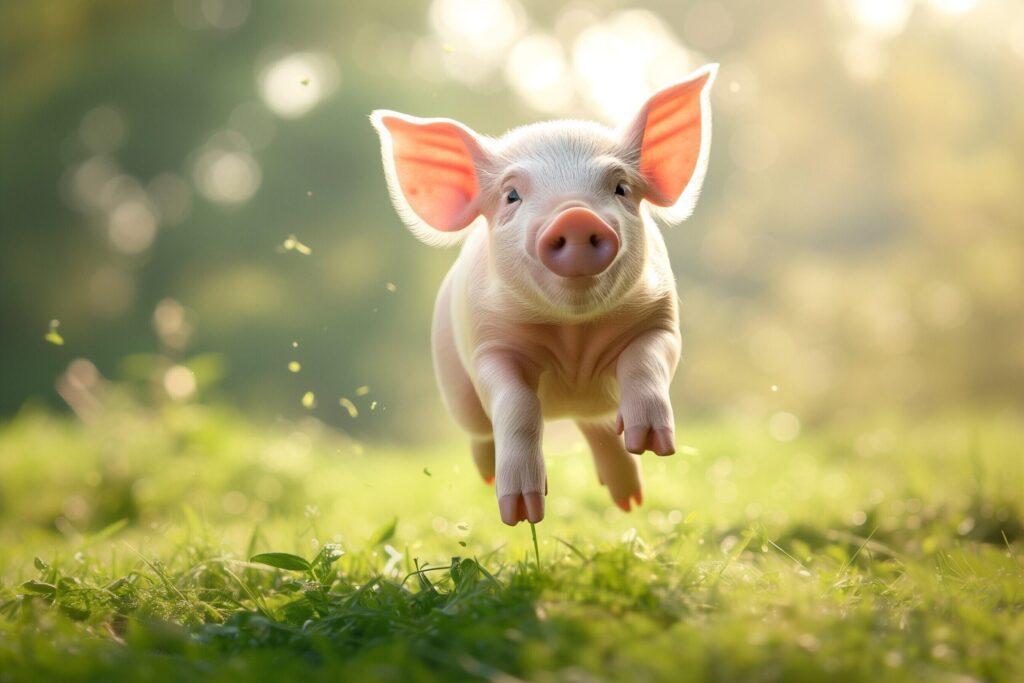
(474, 35)
(623, 59)
(179, 383)
(294, 84)
(538, 72)
(224, 171)
(132, 227)
(885, 18)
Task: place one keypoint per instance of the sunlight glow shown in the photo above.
(624, 59)
(474, 35)
(882, 17)
(537, 71)
(480, 24)
(294, 84)
(953, 6)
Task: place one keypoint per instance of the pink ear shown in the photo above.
(673, 132)
(433, 164)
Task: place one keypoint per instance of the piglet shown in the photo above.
(562, 302)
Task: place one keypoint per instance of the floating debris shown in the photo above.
(295, 344)
(363, 390)
(309, 193)
(373, 405)
(295, 366)
(304, 81)
(53, 336)
(448, 47)
(309, 399)
(349, 406)
(391, 287)
(293, 244)
(427, 472)
(775, 387)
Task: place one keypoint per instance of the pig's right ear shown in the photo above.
(431, 168)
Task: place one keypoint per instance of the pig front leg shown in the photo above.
(645, 369)
(515, 412)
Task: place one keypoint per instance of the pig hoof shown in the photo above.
(663, 441)
(518, 507)
(623, 503)
(644, 438)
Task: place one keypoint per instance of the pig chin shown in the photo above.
(581, 297)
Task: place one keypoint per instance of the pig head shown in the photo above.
(562, 302)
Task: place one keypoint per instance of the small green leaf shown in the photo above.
(385, 533)
(282, 561)
(40, 565)
(40, 588)
(53, 336)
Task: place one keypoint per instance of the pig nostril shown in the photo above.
(559, 243)
(594, 240)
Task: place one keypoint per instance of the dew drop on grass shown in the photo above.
(309, 399)
(295, 366)
(349, 406)
(53, 336)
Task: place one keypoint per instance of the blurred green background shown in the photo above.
(857, 250)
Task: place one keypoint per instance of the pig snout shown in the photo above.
(577, 243)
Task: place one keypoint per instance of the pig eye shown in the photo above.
(620, 189)
(512, 197)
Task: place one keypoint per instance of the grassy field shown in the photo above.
(142, 546)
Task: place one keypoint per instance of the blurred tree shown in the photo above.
(858, 245)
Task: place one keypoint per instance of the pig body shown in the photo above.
(562, 302)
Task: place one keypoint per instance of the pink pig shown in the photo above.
(562, 302)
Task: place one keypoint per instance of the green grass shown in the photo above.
(876, 552)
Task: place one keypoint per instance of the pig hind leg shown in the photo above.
(457, 389)
(617, 468)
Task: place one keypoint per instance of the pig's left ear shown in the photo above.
(431, 166)
(669, 139)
